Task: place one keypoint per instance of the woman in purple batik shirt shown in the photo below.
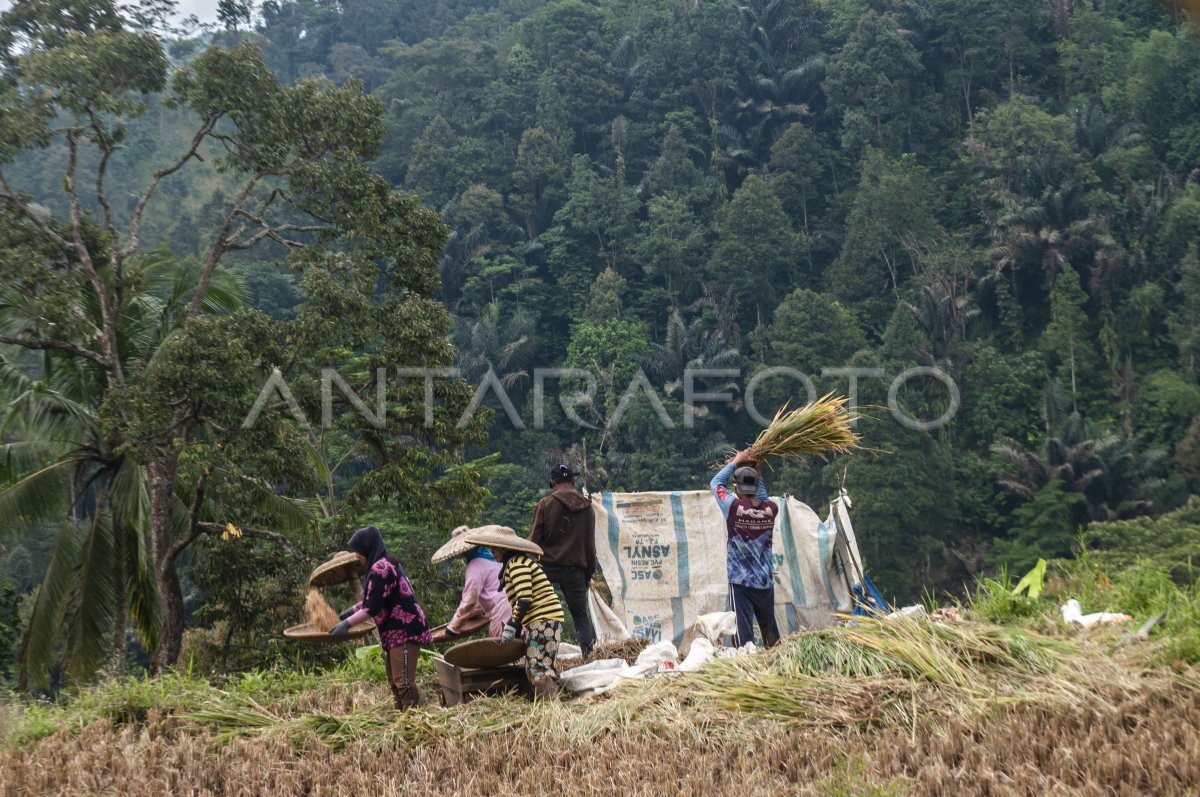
(388, 599)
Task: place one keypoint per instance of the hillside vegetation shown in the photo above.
(1005, 192)
(982, 219)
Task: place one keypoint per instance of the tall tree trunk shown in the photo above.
(1074, 388)
(161, 476)
(170, 632)
(116, 665)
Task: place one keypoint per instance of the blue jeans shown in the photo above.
(752, 604)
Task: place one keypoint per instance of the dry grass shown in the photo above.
(875, 709)
(627, 650)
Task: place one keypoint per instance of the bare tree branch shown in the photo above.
(107, 148)
(108, 337)
(44, 345)
(194, 530)
(106, 151)
(261, 534)
(274, 233)
(22, 208)
(136, 221)
(221, 245)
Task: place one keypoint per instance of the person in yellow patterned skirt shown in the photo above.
(537, 614)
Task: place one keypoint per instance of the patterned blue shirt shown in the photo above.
(751, 529)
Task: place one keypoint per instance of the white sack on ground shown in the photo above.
(1072, 613)
(593, 678)
(605, 622)
(715, 625)
(702, 653)
(658, 653)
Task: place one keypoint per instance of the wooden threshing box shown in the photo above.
(461, 685)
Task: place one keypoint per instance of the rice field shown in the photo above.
(877, 708)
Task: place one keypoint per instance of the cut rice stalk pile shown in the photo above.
(878, 671)
(900, 673)
(317, 612)
(818, 429)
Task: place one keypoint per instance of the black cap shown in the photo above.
(562, 473)
(745, 481)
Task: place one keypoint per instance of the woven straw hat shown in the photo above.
(500, 537)
(341, 567)
(457, 546)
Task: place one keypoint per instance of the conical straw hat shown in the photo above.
(343, 566)
(456, 546)
(501, 537)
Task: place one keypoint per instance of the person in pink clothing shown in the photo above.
(481, 594)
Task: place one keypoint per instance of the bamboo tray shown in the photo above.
(483, 653)
(308, 633)
(470, 627)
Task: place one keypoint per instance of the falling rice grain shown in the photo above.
(317, 612)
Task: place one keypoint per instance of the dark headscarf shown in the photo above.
(368, 542)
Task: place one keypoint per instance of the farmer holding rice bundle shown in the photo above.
(388, 599)
(536, 612)
(750, 521)
(819, 428)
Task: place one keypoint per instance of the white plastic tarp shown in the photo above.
(663, 557)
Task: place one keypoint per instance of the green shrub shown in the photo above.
(993, 600)
(1143, 591)
(1171, 542)
(1180, 627)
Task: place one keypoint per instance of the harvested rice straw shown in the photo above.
(818, 429)
(317, 612)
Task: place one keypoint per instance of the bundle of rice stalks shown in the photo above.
(957, 654)
(390, 730)
(892, 671)
(825, 701)
(824, 653)
(232, 721)
(819, 429)
(628, 650)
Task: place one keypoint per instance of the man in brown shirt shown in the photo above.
(564, 525)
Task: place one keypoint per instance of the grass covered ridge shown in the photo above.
(897, 707)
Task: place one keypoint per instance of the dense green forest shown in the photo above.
(1006, 192)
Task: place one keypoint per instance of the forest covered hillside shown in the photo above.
(1008, 193)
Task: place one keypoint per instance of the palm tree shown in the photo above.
(62, 467)
(1114, 478)
(61, 464)
(494, 342)
(778, 90)
(687, 347)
